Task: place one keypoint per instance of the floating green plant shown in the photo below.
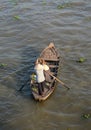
(81, 59)
(14, 2)
(35, 89)
(44, 3)
(64, 5)
(87, 19)
(60, 6)
(68, 129)
(16, 17)
(2, 65)
(86, 116)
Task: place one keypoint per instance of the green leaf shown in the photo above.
(17, 17)
(82, 59)
(14, 2)
(86, 116)
(2, 65)
(68, 129)
(60, 6)
(44, 3)
(64, 5)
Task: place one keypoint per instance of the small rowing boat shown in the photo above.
(52, 58)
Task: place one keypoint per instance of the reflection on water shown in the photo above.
(27, 27)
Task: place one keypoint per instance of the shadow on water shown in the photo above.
(21, 76)
(15, 104)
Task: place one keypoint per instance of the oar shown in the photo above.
(58, 80)
(23, 85)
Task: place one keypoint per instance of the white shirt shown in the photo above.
(46, 67)
(39, 72)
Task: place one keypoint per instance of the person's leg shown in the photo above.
(39, 89)
(42, 86)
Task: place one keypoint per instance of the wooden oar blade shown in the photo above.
(66, 86)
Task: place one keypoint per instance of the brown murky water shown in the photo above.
(27, 27)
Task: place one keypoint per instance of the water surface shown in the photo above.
(27, 27)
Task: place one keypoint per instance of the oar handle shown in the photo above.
(62, 83)
(59, 80)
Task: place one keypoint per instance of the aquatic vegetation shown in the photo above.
(35, 89)
(2, 65)
(14, 2)
(81, 59)
(87, 19)
(86, 116)
(68, 129)
(16, 17)
(60, 6)
(44, 2)
(63, 5)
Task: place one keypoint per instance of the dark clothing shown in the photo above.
(41, 87)
(47, 76)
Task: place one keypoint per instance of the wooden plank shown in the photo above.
(51, 59)
(53, 66)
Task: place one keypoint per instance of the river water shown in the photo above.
(27, 27)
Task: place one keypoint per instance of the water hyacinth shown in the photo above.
(2, 65)
(44, 2)
(86, 116)
(64, 5)
(68, 129)
(60, 6)
(81, 60)
(14, 2)
(16, 17)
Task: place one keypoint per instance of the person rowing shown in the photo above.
(39, 70)
(46, 70)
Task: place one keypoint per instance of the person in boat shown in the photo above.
(39, 69)
(46, 70)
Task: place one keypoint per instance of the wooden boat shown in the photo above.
(51, 55)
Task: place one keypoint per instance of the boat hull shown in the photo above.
(51, 56)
